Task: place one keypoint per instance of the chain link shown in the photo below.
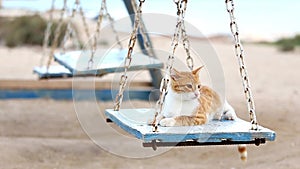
(146, 41)
(185, 39)
(70, 31)
(166, 80)
(85, 25)
(47, 34)
(95, 37)
(186, 45)
(127, 63)
(239, 51)
(103, 11)
(56, 34)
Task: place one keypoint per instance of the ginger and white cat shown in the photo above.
(189, 103)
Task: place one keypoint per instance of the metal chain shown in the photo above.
(85, 25)
(78, 41)
(127, 63)
(47, 34)
(185, 40)
(84, 22)
(141, 27)
(67, 36)
(78, 8)
(95, 37)
(144, 35)
(166, 80)
(239, 51)
(143, 31)
(56, 34)
(70, 30)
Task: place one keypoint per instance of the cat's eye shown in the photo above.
(189, 86)
(198, 86)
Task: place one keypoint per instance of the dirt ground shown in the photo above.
(46, 134)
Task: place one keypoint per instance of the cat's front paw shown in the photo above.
(229, 115)
(167, 122)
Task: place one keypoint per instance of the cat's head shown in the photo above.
(186, 84)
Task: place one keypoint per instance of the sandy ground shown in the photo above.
(46, 133)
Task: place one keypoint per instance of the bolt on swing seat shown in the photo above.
(224, 132)
(108, 62)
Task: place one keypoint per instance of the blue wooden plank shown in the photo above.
(56, 71)
(68, 94)
(134, 121)
(66, 59)
(104, 62)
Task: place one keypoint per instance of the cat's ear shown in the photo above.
(174, 74)
(196, 71)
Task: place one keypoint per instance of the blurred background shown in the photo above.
(258, 20)
(38, 123)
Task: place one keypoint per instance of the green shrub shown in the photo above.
(297, 40)
(287, 47)
(3, 21)
(29, 30)
(288, 44)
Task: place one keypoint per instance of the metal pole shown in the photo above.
(155, 73)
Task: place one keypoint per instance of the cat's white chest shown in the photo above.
(174, 106)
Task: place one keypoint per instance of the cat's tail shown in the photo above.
(243, 152)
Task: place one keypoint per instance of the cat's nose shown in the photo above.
(197, 94)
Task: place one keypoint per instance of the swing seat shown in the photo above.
(226, 132)
(104, 62)
(56, 71)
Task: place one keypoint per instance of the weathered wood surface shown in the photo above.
(134, 121)
(104, 62)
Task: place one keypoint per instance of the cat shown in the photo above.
(189, 103)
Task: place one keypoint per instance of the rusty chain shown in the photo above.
(70, 31)
(185, 39)
(128, 59)
(85, 25)
(56, 34)
(47, 33)
(146, 41)
(95, 37)
(181, 5)
(239, 51)
(103, 11)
